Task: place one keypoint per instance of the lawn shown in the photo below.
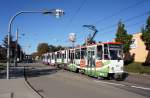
(136, 67)
(2, 66)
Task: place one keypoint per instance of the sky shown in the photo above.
(38, 28)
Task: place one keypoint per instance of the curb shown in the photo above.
(131, 73)
(31, 87)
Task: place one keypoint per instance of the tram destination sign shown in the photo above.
(115, 46)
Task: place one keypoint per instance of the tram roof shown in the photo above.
(110, 43)
(78, 47)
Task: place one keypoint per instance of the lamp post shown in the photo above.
(72, 38)
(56, 12)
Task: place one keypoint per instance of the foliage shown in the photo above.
(55, 48)
(3, 50)
(123, 37)
(12, 45)
(43, 48)
(59, 48)
(5, 41)
(146, 34)
(146, 38)
(52, 48)
(2, 66)
(137, 67)
(3, 53)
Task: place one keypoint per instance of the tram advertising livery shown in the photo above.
(101, 60)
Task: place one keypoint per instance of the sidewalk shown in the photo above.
(16, 86)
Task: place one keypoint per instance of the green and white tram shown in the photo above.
(97, 60)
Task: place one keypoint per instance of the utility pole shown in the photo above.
(16, 50)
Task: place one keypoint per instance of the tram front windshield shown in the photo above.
(114, 52)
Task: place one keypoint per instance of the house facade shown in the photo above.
(138, 48)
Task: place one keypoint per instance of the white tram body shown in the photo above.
(97, 60)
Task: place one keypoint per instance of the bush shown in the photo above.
(2, 61)
(2, 66)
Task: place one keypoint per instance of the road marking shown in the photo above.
(117, 84)
(141, 87)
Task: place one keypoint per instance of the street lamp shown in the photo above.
(72, 38)
(56, 12)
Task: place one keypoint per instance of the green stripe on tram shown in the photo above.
(97, 73)
(72, 67)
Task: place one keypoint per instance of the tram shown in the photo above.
(97, 60)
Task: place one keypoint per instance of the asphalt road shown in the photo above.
(55, 83)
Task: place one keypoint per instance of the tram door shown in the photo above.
(91, 60)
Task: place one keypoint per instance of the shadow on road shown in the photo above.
(14, 72)
(27, 71)
(35, 72)
(123, 77)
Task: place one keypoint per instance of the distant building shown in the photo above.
(138, 48)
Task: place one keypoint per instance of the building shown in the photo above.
(138, 48)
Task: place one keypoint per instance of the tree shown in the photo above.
(43, 48)
(146, 38)
(12, 48)
(3, 53)
(35, 56)
(5, 41)
(52, 48)
(123, 37)
(59, 47)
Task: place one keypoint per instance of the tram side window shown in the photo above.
(99, 52)
(106, 54)
(83, 53)
(77, 54)
(69, 54)
(48, 57)
(62, 56)
(52, 56)
(72, 55)
(57, 55)
(65, 55)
